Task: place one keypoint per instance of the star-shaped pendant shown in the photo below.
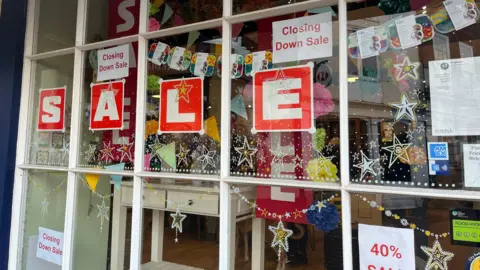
(246, 152)
(398, 151)
(45, 204)
(281, 236)
(126, 150)
(183, 91)
(102, 213)
(107, 152)
(182, 156)
(90, 153)
(366, 166)
(207, 157)
(407, 69)
(320, 205)
(437, 257)
(405, 109)
(177, 222)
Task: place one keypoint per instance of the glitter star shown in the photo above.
(183, 91)
(207, 157)
(405, 109)
(281, 236)
(107, 152)
(329, 147)
(102, 213)
(410, 134)
(356, 156)
(182, 156)
(398, 151)
(297, 214)
(407, 69)
(155, 148)
(320, 205)
(437, 257)
(178, 219)
(246, 152)
(298, 161)
(126, 150)
(366, 166)
(90, 153)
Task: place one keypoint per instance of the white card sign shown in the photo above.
(50, 245)
(471, 165)
(385, 248)
(113, 63)
(302, 38)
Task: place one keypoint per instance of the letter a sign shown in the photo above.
(51, 113)
(283, 99)
(107, 105)
(181, 106)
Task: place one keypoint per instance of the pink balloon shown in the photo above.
(322, 103)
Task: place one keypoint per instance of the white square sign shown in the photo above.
(302, 38)
(113, 63)
(50, 245)
(385, 248)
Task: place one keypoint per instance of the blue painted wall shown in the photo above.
(12, 36)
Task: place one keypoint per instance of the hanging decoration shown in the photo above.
(117, 179)
(179, 58)
(318, 139)
(45, 204)
(323, 103)
(324, 216)
(437, 257)
(322, 169)
(211, 128)
(103, 213)
(92, 180)
(202, 64)
(177, 222)
(237, 63)
(394, 6)
(280, 238)
(167, 154)
(46, 193)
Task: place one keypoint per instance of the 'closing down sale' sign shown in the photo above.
(302, 38)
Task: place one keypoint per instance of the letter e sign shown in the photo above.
(107, 100)
(283, 99)
(181, 106)
(51, 109)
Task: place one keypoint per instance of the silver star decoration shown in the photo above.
(207, 157)
(373, 144)
(90, 153)
(298, 161)
(287, 215)
(102, 213)
(177, 222)
(405, 109)
(281, 236)
(407, 69)
(421, 129)
(182, 156)
(437, 258)
(65, 151)
(397, 151)
(238, 139)
(262, 159)
(417, 92)
(155, 148)
(246, 152)
(381, 171)
(107, 152)
(410, 134)
(356, 156)
(126, 150)
(366, 166)
(329, 147)
(384, 158)
(278, 157)
(45, 204)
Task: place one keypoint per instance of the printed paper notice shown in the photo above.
(407, 32)
(50, 245)
(461, 13)
(366, 42)
(385, 248)
(302, 38)
(455, 97)
(201, 64)
(113, 63)
(471, 165)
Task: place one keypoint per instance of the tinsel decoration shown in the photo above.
(152, 83)
(319, 139)
(324, 216)
(394, 6)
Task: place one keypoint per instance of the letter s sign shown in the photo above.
(51, 110)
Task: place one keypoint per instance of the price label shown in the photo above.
(385, 248)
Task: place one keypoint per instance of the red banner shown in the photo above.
(51, 112)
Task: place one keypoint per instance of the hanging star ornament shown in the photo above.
(281, 236)
(89, 154)
(398, 151)
(366, 166)
(177, 222)
(207, 157)
(407, 69)
(405, 109)
(45, 204)
(182, 156)
(246, 152)
(183, 91)
(107, 152)
(102, 213)
(437, 257)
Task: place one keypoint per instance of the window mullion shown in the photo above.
(344, 141)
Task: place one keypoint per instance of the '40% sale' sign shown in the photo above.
(385, 248)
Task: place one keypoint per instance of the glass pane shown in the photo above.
(183, 104)
(171, 13)
(285, 98)
(107, 129)
(51, 14)
(181, 228)
(409, 126)
(103, 220)
(51, 112)
(450, 223)
(108, 19)
(295, 228)
(44, 220)
(242, 6)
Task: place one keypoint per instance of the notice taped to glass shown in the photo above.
(465, 227)
(455, 97)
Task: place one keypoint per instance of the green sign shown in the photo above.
(465, 228)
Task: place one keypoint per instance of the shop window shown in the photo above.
(102, 215)
(409, 126)
(51, 112)
(284, 108)
(108, 108)
(166, 14)
(49, 15)
(43, 235)
(182, 128)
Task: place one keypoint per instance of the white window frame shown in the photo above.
(227, 224)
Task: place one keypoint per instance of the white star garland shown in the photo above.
(102, 213)
(45, 204)
(90, 153)
(437, 257)
(177, 222)
(281, 236)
